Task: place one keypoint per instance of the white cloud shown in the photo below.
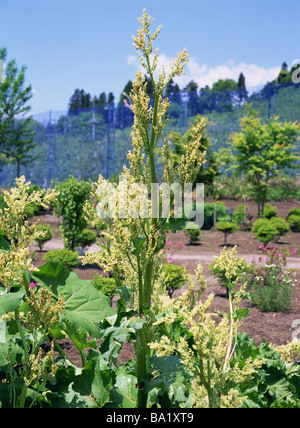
(204, 75)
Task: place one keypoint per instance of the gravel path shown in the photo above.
(292, 262)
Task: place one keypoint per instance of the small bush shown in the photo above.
(47, 236)
(87, 238)
(294, 211)
(294, 221)
(269, 285)
(106, 285)
(280, 225)
(270, 211)
(193, 233)
(31, 210)
(220, 273)
(68, 258)
(227, 228)
(174, 278)
(266, 230)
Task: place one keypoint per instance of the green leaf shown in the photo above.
(84, 305)
(125, 391)
(95, 383)
(10, 301)
(79, 337)
(4, 244)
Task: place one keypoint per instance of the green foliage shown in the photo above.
(174, 278)
(264, 151)
(193, 233)
(270, 283)
(209, 209)
(283, 188)
(293, 219)
(280, 225)
(106, 285)
(276, 384)
(47, 234)
(240, 214)
(2, 202)
(31, 210)
(269, 211)
(66, 257)
(69, 207)
(30, 379)
(266, 230)
(16, 135)
(87, 238)
(227, 228)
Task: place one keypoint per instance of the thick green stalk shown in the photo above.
(143, 350)
(22, 398)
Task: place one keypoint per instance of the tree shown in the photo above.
(263, 151)
(16, 134)
(79, 100)
(241, 88)
(227, 228)
(284, 74)
(192, 90)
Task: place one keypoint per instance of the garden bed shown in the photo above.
(274, 327)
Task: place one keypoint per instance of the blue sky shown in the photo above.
(87, 44)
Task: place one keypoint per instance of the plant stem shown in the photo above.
(22, 398)
(143, 350)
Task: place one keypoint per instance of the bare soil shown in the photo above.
(274, 327)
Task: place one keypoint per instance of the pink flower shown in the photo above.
(293, 251)
(170, 259)
(276, 255)
(170, 243)
(127, 105)
(267, 260)
(33, 285)
(281, 255)
(261, 247)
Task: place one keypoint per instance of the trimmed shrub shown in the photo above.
(66, 257)
(294, 222)
(193, 233)
(280, 225)
(268, 230)
(270, 211)
(294, 211)
(293, 219)
(227, 228)
(87, 238)
(174, 278)
(106, 285)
